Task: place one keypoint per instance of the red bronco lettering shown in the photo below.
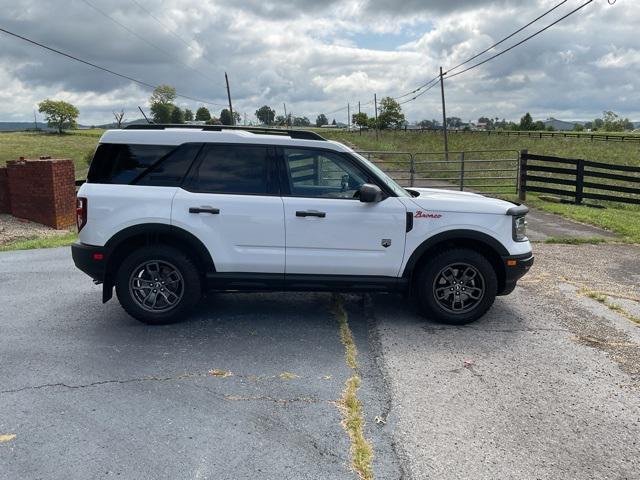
(421, 214)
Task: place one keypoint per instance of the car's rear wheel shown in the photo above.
(158, 284)
(457, 286)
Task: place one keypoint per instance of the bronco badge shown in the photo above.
(386, 242)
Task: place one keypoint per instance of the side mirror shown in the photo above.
(370, 193)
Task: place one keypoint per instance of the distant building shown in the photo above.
(559, 125)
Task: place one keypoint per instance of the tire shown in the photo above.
(456, 287)
(142, 293)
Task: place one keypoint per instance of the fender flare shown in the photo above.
(456, 234)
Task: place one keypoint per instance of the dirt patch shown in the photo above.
(13, 229)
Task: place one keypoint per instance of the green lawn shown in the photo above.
(76, 145)
(41, 242)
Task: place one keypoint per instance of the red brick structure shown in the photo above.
(42, 191)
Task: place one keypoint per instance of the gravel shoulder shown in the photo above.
(13, 229)
(547, 385)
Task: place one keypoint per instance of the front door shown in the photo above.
(328, 230)
(231, 202)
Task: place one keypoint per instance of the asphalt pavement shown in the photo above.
(546, 385)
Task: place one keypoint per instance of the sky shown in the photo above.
(319, 56)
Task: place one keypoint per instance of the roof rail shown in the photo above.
(298, 134)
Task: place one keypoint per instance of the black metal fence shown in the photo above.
(578, 179)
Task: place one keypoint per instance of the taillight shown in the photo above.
(81, 212)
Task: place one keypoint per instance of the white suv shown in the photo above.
(168, 213)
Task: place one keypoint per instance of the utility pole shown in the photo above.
(444, 118)
(348, 117)
(375, 105)
(233, 120)
(359, 118)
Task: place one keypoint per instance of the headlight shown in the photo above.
(520, 229)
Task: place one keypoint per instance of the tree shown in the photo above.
(360, 119)
(429, 124)
(578, 128)
(225, 117)
(161, 112)
(164, 94)
(390, 114)
(59, 114)
(611, 122)
(334, 122)
(526, 122)
(203, 114)
(177, 115)
(321, 120)
(454, 122)
(301, 122)
(119, 116)
(188, 115)
(266, 114)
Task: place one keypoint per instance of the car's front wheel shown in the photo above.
(457, 286)
(158, 284)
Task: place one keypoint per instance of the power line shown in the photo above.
(522, 41)
(112, 72)
(140, 37)
(509, 36)
(171, 31)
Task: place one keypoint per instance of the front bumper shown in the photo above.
(90, 259)
(515, 267)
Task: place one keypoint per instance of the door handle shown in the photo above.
(211, 210)
(310, 213)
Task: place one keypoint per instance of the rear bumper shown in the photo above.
(515, 267)
(90, 259)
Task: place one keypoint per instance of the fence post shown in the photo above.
(412, 172)
(579, 181)
(461, 171)
(522, 185)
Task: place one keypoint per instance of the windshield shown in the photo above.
(388, 181)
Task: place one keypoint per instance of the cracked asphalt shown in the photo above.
(546, 385)
(244, 389)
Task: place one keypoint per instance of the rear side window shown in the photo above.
(122, 163)
(236, 169)
(170, 169)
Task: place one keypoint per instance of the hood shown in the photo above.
(452, 201)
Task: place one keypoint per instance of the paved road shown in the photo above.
(91, 393)
(545, 386)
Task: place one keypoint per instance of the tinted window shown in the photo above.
(317, 173)
(238, 169)
(121, 163)
(171, 169)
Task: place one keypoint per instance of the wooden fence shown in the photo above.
(585, 179)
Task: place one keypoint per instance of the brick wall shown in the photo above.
(42, 191)
(5, 206)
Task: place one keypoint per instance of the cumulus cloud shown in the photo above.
(317, 56)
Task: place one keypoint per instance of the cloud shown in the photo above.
(308, 54)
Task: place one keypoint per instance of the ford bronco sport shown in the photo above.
(168, 213)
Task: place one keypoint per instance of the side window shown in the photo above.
(317, 173)
(233, 169)
(171, 169)
(121, 163)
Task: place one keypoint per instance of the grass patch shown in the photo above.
(74, 144)
(349, 405)
(41, 242)
(576, 241)
(624, 220)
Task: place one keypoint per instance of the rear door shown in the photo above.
(231, 202)
(328, 230)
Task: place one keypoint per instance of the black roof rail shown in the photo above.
(298, 134)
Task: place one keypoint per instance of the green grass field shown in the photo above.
(76, 145)
(624, 219)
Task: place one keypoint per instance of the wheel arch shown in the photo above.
(488, 246)
(136, 236)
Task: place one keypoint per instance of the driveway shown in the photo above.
(545, 386)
